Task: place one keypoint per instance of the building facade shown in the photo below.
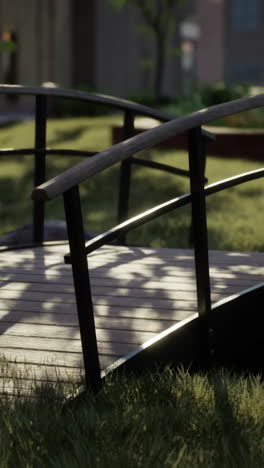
(86, 42)
(75, 42)
(230, 46)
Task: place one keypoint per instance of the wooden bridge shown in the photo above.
(133, 307)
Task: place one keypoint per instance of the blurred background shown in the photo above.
(143, 50)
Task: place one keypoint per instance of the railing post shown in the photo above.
(203, 152)
(199, 226)
(73, 214)
(40, 165)
(125, 174)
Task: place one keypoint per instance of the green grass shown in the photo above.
(162, 419)
(169, 419)
(250, 119)
(234, 216)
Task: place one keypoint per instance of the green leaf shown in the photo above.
(118, 4)
(147, 64)
(142, 29)
(174, 51)
(172, 26)
(8, 46)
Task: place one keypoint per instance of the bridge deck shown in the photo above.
(137, 292)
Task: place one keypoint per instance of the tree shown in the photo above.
(159, 17)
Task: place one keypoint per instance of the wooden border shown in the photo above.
(229, 142)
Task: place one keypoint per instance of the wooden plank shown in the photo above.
(143, 299)
(147, 301)
(119, 258)
(122, 256)
(163, 302)
(62, 345)
(50, 358)
(17, 290)
(48, 291)
(35, 306)
(136, 254)
(131, 303)
(47, 287)
(101, 309)
(48, 331)
(44, 372)
(243, 273)
(38, 318)
(70, 299)
(35, 278)
(50, 373)
(103, 323)
(57, 250)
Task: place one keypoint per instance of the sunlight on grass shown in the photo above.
(234, 216)
(81, 133)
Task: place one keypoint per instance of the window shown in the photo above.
(244, 15)
(246, 72)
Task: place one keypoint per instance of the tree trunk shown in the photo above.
(159, 66)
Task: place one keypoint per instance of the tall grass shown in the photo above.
(162, 419)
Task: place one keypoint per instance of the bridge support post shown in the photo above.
(73, 214)
(40, 166)
(125, 175)
(199, 227)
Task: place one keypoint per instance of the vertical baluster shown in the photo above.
(199, 223)
(203, 152)
(73, 214)
(125, 173)
(40, 165)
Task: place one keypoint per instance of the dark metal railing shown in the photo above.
(40, 165)
(199, 226)
(67, 184)
(40, 150)
(162, 209)
(125, 170)
(81, 279)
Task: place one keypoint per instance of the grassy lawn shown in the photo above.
(234, 216)
(168, 419)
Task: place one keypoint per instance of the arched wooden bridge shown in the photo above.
(132, 307)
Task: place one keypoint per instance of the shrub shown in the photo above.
(145, 98)
(220, 92)
(78, 108)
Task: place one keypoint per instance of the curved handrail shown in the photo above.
(101, 99)
(123, 150)
(96, 98)
(163, 208)
(40, 150)
(58, 152)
